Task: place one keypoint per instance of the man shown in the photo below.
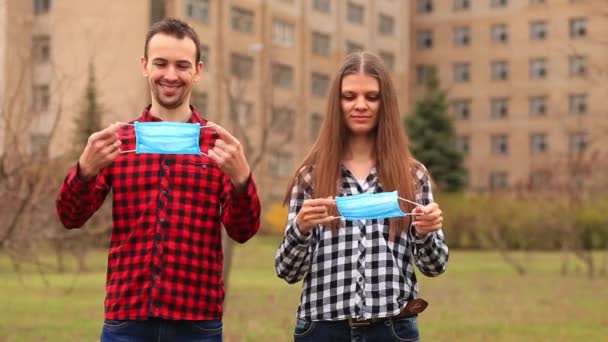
(164, 280)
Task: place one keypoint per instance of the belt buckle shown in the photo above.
(355, 323)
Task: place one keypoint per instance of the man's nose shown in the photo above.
(171, 73)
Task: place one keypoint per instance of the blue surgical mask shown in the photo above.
(167, 138)
(370, 206)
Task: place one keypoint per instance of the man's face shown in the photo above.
(171, 69)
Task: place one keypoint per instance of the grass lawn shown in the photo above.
(479, 298)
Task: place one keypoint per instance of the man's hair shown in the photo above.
(175, 28)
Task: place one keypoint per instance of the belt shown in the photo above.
(412, 309)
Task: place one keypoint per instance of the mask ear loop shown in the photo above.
(130, 124)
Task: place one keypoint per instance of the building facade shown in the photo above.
(2, 67)
(267, 65)
(525, 80)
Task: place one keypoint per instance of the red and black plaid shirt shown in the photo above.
(165, 258)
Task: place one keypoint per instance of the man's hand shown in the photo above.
(314, 212)
(430, 221)
(228, 153)
(102, 148)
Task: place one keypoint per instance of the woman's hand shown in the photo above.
(314, 212)
(428, 219)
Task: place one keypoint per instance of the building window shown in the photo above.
(578, 142)
(500, 70)
(200, 101)
(282, 75)
(498, 181)
(242, 20)
(321, 5)
(42, 97)
(157, 10)
(42, 6)
(320, 44)
(578, 28)
(41, 48)
(283, 118)
(578, 66)
(205, 56)
(462, 72)
(39, 144)
(355, 13)
(197, 10)
(241, 66)
(538, 105)
(462, 144)
(319, 84)
(386, 25)
(280, 164)
(538, 68)
(499, 3)
(461, 109)
(389, 59)
(420, 73)
(500, 144)
(538, 30)
(499, 107)
(315, 125)
(462, 36)
(499, 34)
(353, 47)
(282, 33)
(424, 6)
(242, 113)
(538, 143)
(424, 39)
(461, 5)
(578, 104)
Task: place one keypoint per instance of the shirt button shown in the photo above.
(162, 220)
(360, 279)
(156, 277)
(164, 192)
(165, 167)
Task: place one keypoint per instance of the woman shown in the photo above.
(359, 281)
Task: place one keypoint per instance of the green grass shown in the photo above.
(479, 298)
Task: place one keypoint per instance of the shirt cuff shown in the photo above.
(249, 191)
(297, 235)
(79, 185)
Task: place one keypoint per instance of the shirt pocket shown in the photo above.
(197, 180)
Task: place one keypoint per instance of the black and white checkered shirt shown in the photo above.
(357, 272)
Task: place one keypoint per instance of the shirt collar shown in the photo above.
(147, 116)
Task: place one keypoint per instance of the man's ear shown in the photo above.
(144, 66)
(199, 70)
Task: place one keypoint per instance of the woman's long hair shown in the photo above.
(394, 161)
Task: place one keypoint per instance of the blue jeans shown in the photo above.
(403, 329)
(161, 330)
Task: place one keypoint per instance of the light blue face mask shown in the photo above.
(371, 206)
(167, 138)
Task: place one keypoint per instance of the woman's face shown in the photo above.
(360, 99)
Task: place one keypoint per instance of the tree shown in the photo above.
(98, 227)
(89, 120)
(432, 133)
